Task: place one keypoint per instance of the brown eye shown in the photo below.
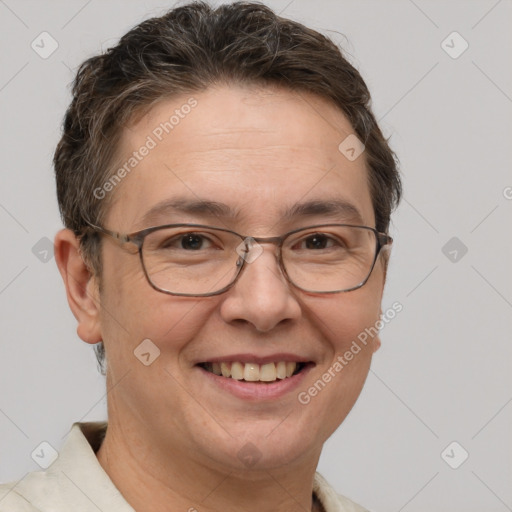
(317, 241)
(192, 241)
(187, 242)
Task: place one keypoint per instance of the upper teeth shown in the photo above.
(253, 372)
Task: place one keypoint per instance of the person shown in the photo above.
(226, 194)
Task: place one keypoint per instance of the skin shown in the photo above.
(173, 438)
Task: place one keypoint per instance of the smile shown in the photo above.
(254, 372)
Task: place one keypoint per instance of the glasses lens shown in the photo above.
(190, 260)
(330, 258)
(199, 261)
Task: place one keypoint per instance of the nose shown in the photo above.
(261, 296)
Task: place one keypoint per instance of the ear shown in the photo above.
(384, 261)
(376, 343)
(81, 286)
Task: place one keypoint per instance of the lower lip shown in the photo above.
(257, 391)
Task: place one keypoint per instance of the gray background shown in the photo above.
(443, 372)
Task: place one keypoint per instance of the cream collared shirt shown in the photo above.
(76, 482)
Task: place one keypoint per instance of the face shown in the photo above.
(259, 152)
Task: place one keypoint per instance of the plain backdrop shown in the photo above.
(443, 374)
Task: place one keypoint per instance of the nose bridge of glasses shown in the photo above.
(252, 247)
(269, 240)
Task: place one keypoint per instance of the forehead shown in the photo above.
(260, 152)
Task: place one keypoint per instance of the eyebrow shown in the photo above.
(333, 207)
(208, 209)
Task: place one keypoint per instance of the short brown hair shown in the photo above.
(190, 48)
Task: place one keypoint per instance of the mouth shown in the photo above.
(266, 373)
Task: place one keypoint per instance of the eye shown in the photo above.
(192, 241)
(318, 241)
(186, 241)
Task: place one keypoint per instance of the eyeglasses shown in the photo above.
(195, 260)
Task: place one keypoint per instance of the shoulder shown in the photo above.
(331, 501)
(73, 481)
(12, 501)
(348, 505)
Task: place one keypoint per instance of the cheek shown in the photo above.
(169, 322)
(350, 348)
(344, 322)
(343, 318)
(133, 311)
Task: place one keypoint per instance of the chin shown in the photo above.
(267, 445)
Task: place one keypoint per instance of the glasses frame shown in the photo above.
(137, 238)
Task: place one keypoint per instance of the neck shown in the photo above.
(152, 480)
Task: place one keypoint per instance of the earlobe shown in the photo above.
(81, 286)
(376, 343)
